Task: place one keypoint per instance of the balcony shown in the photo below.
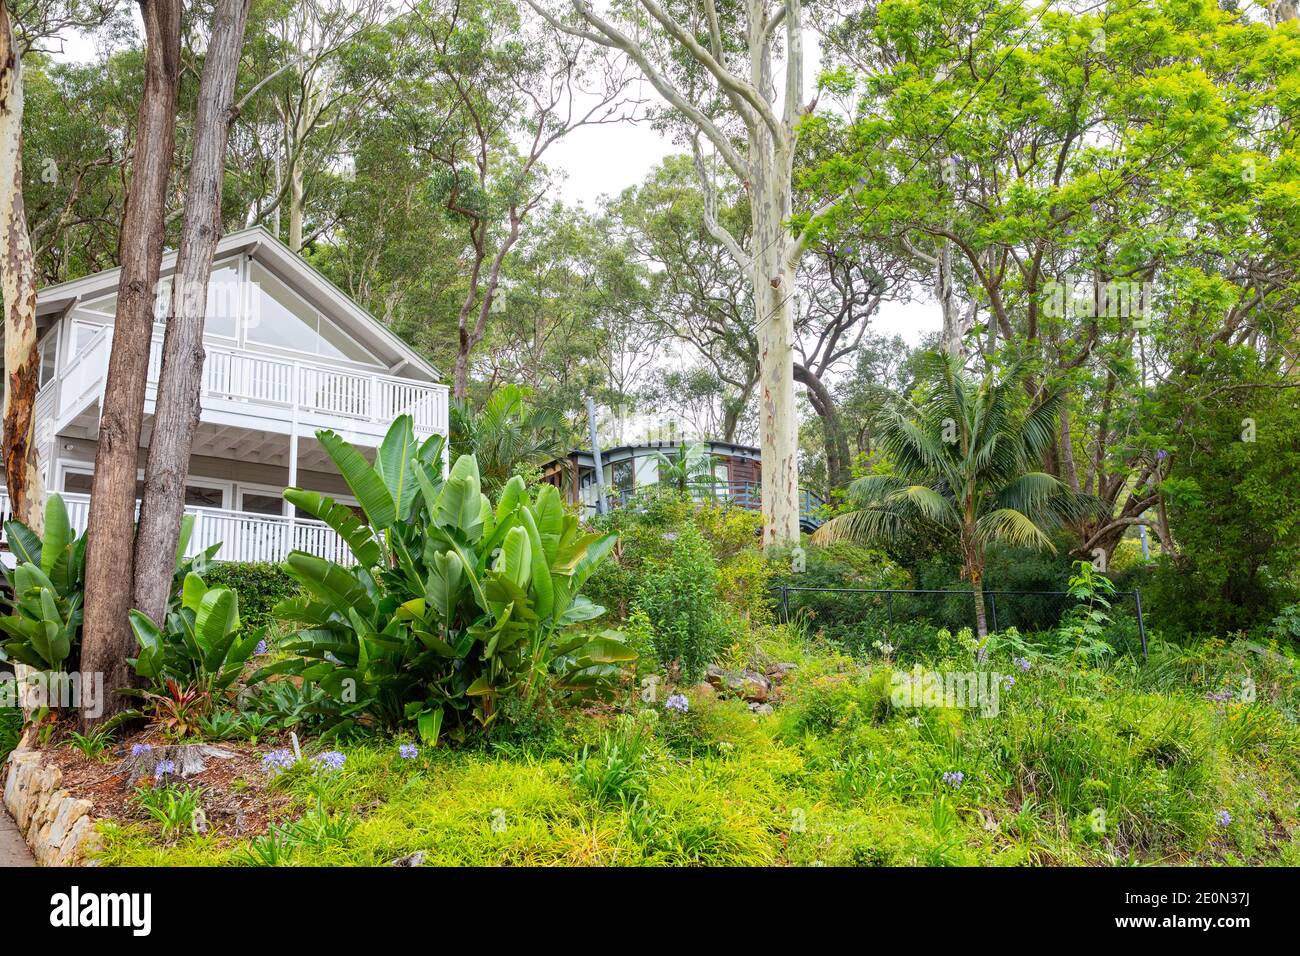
(736, 494)
(243, 388)
(243, 536)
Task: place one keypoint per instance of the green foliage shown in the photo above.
(11, 726)
(260, 586)
(176, 809)
(508, 436)
(94, 743)
(1084, 627)
(615, 772)
(680, 598)
(453, 604)
(203, 645)
(44, 630)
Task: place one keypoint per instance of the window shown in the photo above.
(82, 333)
(77, 482)
(225, 301)
(281, 319)
(49, 354)
(259, 503)
(622, 474)
(199, 496)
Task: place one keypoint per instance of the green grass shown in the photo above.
(1109, 766)
(10, 726)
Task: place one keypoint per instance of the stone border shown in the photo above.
(56, 825)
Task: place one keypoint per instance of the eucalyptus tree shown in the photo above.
(964, 456)
(732, 75)
(25, 27)
(484, 91)
(110, 530)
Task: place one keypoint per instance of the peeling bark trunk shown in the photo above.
(18, 282)
(107, 640)
(177, 413)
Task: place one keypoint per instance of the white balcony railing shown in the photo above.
(243, 536)
(241, 375)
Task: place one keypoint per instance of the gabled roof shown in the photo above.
(297, 273)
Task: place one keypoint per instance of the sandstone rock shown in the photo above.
(415, 859)
(761, 708)
(779, 672)
(748, 685)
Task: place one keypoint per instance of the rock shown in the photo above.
(779, 672)
(761, 708)
(56, 825)
(704, 689)
(748, 685)
(415, 859)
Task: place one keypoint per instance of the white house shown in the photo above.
(287, 354)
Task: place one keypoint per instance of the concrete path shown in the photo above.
(13, 848)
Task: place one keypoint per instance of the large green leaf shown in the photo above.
(396, 464)
(516, 558)
(368, 488)
(59, 536)
(541, 572)
(359, 538)
(23, 542)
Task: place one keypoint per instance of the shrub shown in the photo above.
(452, 603)
(680, 597)
(260, 586)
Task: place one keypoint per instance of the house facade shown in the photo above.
(287, 354)
(737, 477)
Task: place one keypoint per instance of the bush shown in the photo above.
(453, 604)
(260, 586)
(680, 597)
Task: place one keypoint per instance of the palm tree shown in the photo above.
(963, 458)
(689, 465)
(506, 435)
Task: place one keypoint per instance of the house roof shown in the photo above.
(264, 248)
(583, 456)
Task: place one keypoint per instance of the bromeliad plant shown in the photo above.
(201, 646)
(452, 602)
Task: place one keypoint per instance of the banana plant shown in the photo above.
(453, 602)
(44, 628)
(46, 583)
(201, 644)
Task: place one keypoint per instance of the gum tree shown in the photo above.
(733, 75)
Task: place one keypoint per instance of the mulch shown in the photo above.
(237, 800)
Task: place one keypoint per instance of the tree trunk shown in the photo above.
(836, 439)
(981, 623)
(18, 282)
(107, 640)
(177, 413)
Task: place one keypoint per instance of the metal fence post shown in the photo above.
(889, 604)
(1142, 630)
(785, 603)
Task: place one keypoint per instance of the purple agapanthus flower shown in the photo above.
(953, 778)
(1223, 818)
(1219, 697)
(278, 760)
(408, 751)
(1022, 663)
(1161, 455)
(1008, 682)
(677, 702)
(163, 768)
(260, 650)
(138, 749)
(330, 760)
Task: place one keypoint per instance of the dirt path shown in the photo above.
(13, 849)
